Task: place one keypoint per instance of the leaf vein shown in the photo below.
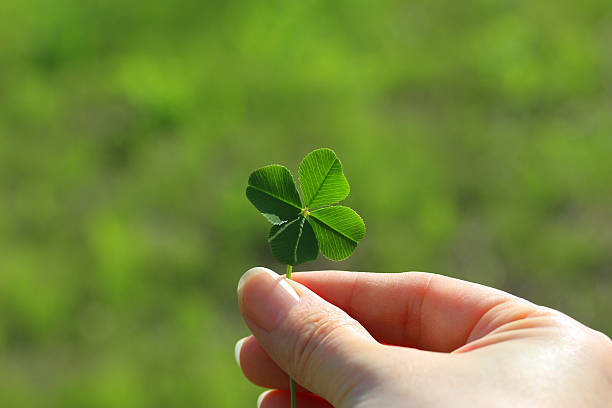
(274, 196)
(322, 182)
(332, 228)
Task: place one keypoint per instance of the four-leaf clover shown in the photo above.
(303, 225)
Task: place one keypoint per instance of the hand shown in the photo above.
(414, 340)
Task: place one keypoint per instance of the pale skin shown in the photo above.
(360, 340)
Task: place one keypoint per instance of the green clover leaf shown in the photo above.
(303, 226)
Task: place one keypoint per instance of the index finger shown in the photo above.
(416, 309)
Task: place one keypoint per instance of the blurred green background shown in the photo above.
(476, 135)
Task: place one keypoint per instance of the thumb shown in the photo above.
(313, 341)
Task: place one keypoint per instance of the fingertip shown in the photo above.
(237, 349)
(261, 397)
(259, 368)
(265, 298)
(251, 272)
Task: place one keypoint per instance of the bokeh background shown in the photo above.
(476, 135)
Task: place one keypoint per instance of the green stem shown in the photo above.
(293, 396)
(291, 382)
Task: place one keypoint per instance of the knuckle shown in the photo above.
(315, 341)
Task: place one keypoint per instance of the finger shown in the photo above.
(416, 309)
(282, 399)
(259, 368)
(316, 343)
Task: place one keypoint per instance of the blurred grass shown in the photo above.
(477, 137)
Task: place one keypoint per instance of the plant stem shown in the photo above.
(293, 396)
(291, 382)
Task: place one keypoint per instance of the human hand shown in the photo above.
(414, 340)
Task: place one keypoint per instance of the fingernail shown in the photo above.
(261, 397)
(265, 297)
(237, 349)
